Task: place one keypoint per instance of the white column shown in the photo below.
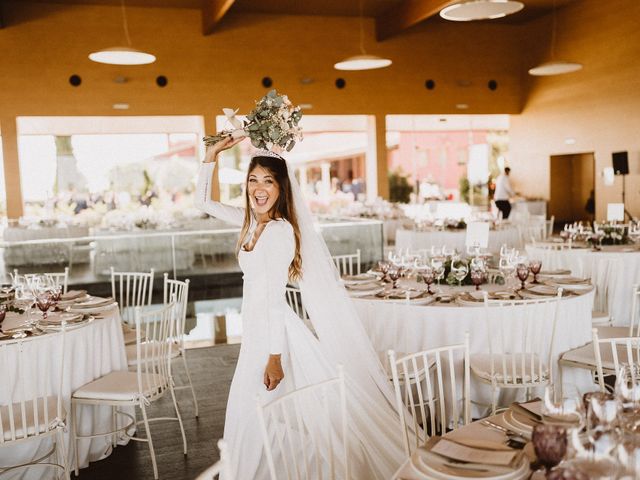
(325, 184)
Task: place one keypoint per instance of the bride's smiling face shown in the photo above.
(263, 190)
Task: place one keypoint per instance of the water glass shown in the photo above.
(460, 269)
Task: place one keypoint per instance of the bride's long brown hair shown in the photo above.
(283, 208)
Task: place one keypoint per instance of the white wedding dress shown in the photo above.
(269, 325)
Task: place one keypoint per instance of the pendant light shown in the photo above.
(362, 61)
(480, 10)
(554, 67)
(122, 55)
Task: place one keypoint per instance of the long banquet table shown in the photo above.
(613, 270)
(417, 240)
(407, 328)
(91, 350)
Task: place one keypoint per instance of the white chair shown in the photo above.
(31, 407)
(174, 291)
(148, 383)
(57, 278)
(520, 339)
(549, 226)
(612, 353)
(346, 263)
(300, 454)
(131, 290)
(584, 356)
(294, 300)
(220, 468)
(414, 372)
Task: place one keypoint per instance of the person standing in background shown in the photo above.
(503, 193)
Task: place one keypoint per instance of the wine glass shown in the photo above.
(507, 269)
(3, 314)
(477, 277)
(460, 269)
(437, 264)
(383, 267)
(395, 272)
(43, 302)
(428, 275)
(550, 445)
(522, 271)
(602, 422)
(535, 266)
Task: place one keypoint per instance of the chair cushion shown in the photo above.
(600, 318)
(585, 356)
(613, 332)
(145, 352)
(52, 407)
(129, 334)
(480, 364)
(120, 386)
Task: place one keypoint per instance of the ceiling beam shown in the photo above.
(407, 14)
(212, 13)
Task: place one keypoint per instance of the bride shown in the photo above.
(278, 354)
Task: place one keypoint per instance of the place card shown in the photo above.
(615, 212)
(464, 453)
(477, 235)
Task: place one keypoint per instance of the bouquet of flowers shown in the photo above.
(274, 122)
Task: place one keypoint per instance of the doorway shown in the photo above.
(572, 186)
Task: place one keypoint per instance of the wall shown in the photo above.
(598, 106)
(43, 44)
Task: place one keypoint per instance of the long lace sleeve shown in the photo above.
(226, 213)
(279, 247)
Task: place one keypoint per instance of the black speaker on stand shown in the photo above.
(620, 161)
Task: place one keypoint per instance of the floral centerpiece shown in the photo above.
(274, 122)
(609, 234)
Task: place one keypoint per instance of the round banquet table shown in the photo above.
(407, 328)
(613, 270)
(91, 350)
(415, 240)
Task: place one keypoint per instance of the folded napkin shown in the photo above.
(57, 318)
(483, 456)
(73, 295)
(531, 409)
(93, 302)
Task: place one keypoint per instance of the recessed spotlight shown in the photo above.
(442, 120)
(305, 106)
(462, 106)
(570, 141)
(306, 80)
(120, 106)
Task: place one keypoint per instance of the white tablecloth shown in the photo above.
(414, 240)
(91, 351)
(411, 328)
(613, 271)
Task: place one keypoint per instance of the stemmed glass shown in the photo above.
(602, 422)
(426, 273)
(477, 277)
(44, 302)
(535, 266)
(460, 269)
(507, 268)
(437, 264)
(383, 267)
(395, 272)
(522, 271)
(550, 445)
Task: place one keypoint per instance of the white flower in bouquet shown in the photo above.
(273, 123)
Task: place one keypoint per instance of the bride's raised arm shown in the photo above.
(203, 201)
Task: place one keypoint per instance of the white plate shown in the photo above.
(94, 310)
(435, 467)
(359, 279)
(364, 293)
(93, 302)
(513, 423)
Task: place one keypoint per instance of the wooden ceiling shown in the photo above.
(392, 16)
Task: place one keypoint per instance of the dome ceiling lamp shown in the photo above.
(554, 67)
(362, 61)
(122, 55)
(471, 10)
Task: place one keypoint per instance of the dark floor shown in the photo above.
(211, 371)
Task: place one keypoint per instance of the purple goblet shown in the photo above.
(522, 271)
(535, 266)
(550, 444)
(477, 277)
